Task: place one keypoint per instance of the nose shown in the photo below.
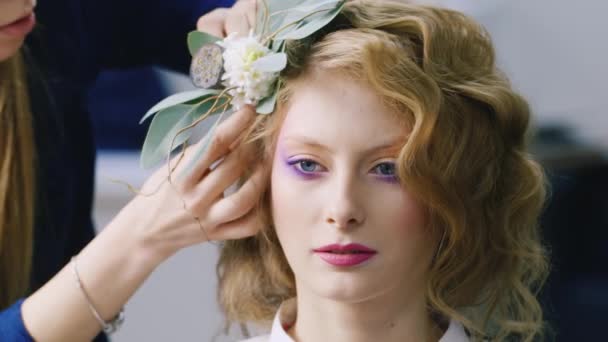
(344, 209)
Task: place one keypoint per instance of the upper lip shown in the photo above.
(351, 247)
(16, 20)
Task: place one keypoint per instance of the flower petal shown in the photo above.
(274, 62)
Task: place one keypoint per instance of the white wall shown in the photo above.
(177, 303)
(556, 53)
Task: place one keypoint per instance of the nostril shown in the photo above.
(343, 224)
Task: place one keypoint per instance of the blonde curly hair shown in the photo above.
(465, 159)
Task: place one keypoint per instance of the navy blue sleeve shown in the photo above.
(12, 328)
(141, 32)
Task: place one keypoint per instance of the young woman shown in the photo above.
(402, 205)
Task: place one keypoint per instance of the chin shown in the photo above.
(9, 48)
(347, 289)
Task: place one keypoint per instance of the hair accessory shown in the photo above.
(207, 66)
(232, 72)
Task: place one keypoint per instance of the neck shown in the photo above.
(379, 319)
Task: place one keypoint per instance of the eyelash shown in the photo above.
(297, 165)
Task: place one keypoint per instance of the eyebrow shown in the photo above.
(394, 143)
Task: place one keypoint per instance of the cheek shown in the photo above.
(296, 206)
(286, 200)
(406, 223)
(290, 190)
(412, 216)
(399, 209)
(290, 215)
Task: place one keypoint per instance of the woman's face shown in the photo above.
(349, 229)
(16, 21)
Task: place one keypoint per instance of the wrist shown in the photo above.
(127, 234)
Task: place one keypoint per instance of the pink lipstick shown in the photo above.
(20, 27)
(345, 255)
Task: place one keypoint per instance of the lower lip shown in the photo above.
(345, 260)
(20, 27)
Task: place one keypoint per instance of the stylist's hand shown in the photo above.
(146, 232)
(166, 221)
(240, 18)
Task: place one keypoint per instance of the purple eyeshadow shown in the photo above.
(291, 165)
(389, 179)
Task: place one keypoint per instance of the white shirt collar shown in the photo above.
(287, 315)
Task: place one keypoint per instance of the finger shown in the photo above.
(243, 227)
(222, 141)
(213, 22)
(237, 19)
(238, 204)
(191, 234)
(217, 181)
(252, 13)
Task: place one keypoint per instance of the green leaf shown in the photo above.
(277, 45)
(307, 11)
(202, 147)
(282, 5)
(260, 16)
(196, 39)
(267, 105)
(278, 10)
(165, 126)
(310, 26)
(179, 98)
(310, 6)
(274, 62)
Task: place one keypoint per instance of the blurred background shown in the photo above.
(554, 52)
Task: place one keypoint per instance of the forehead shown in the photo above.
(334, 109)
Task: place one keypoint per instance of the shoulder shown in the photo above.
(262, 338)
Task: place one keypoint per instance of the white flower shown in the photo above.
(250, 81)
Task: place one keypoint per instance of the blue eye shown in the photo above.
(385, 169)
(305, 166)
